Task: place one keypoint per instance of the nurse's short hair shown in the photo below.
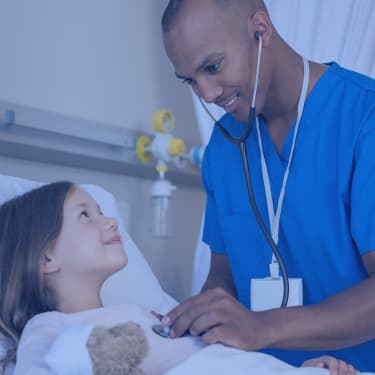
(174, 7)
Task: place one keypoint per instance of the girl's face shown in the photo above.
(89, 245)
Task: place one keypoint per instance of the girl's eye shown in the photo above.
(84, 213)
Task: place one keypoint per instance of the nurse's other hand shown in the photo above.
(218, 318)
(335, 366)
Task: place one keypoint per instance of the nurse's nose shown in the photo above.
(208, 89)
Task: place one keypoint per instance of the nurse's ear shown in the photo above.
(260, 23)
(50, 264)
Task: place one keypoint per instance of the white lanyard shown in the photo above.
(275, 218)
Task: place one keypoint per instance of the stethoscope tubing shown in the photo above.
(241, 143)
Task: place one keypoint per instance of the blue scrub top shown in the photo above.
(328, 217)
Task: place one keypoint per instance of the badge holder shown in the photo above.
(267, 293)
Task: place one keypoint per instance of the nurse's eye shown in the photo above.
(213, 68)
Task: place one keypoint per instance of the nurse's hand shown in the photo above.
(219, 318)
(335, 366)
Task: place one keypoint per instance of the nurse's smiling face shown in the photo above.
(214, 50)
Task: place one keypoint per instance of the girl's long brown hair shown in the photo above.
(29, 226)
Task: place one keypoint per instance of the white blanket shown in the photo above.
(222, 360)
(65, 357)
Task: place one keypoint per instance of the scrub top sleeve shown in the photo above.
(211, 228)
(363, 187)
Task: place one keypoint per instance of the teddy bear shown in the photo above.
(97, 350)
(118, 350)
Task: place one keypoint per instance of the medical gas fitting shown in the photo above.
(165, 148)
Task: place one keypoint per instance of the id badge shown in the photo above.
(267, 293)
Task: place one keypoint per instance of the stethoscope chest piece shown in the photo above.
(160, 330)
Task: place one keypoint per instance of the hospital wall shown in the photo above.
(103, 61)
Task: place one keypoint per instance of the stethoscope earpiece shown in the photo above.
(257, 35)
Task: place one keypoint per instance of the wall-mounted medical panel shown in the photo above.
(39, 135)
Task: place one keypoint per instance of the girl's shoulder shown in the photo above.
(102, 316)
(110, 315)
(46, 319)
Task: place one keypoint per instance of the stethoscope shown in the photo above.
(161, 330)
(241, 143)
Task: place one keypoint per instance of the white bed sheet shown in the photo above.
(222, 360)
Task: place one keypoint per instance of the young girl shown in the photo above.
(56, 251)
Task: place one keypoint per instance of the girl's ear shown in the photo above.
(50, 264)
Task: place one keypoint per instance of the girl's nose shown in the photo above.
(110, 223)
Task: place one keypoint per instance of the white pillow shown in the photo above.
(134, 284)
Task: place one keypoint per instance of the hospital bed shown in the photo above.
(137, 284)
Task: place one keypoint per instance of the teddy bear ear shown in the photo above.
(98, 337)
(128, 328)
(118, 330)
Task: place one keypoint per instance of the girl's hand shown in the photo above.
(334, 365)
